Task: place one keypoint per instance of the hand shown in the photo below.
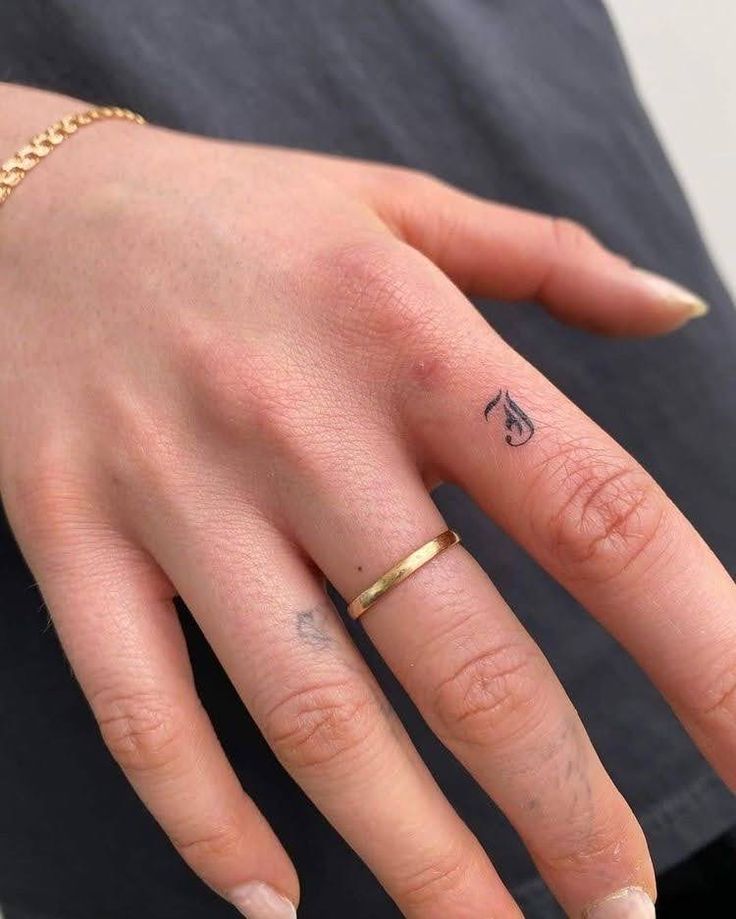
(229, 371)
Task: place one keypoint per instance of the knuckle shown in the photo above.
(210, 357)
(201, 351)
(713, 697)
(570, 237)
(142, 731)
(430, 373)
(422, 210)
(322, 724)
(582, 851)
(224, 373)
(47, 493)
(491, 697)
(399, 189)
(145, 448)
(379, 293)
(219, 842)
(243, 389)
(439, 881)
(399, 180)
(598, 513)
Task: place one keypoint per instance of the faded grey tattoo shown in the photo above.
(311, 626)
(516, 421)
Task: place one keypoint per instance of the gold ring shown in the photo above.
(401, 571)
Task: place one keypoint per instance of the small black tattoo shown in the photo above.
(517, 422)
(311, 628)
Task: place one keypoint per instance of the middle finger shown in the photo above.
(594, 519)
(280, 640)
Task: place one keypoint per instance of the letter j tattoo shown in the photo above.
(516, 421)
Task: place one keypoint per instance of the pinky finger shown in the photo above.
(113, 611)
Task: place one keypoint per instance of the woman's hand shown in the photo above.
(229, 372)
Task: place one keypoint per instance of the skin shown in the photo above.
(229, 372)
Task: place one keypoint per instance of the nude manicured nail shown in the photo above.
(259, 901)
(629, 903)
(678, 297)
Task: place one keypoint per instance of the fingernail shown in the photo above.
(257, 900)
(629, 903)
(674, 294)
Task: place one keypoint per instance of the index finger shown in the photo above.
(593, 518)
(496, 250)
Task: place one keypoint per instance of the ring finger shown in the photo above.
(478, 678)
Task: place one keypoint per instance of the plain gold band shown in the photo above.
(401, 571)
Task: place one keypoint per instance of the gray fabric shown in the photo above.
(525, 101)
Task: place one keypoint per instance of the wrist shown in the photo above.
(42, 159)
(27, 111)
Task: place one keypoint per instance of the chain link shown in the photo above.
(14, 170)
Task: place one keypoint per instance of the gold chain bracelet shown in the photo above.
(14, 170)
